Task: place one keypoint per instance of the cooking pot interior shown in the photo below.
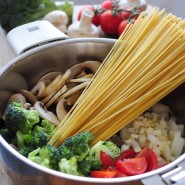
(28, 68)
(25, 70)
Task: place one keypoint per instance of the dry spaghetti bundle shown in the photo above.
(146, 63)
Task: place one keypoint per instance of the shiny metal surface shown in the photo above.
(25, 70)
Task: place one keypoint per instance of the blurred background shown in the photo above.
(176, 7)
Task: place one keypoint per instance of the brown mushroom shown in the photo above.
(50, 76)
(57, 83)
(70, 101)
(92, 66)
(17, 97)
(55, 97)
(75, 89)
(39, 90)
(45, 114)
(60, 109)
(28, 95)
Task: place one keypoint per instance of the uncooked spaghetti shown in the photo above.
(146, 63)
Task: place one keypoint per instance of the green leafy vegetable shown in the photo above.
(17, 12)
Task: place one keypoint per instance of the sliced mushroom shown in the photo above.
(70, 101)
(50, 76)
(57, 83)
(91, 65)
(45, 114)
(75, 70)
(27, 106)
(55, 97)
(52, 85)
(39, 90)
(17, 97)
(60, 109)
(79, 80)
(75, 89)
(14, 97)
(28, 95)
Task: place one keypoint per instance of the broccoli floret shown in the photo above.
(22, 139)
(20, 119)
(25, 150)
(38, 137)
(109, 147)
(29, 142)
(88, 164)
(45, 127)
(76, 146)
(69, 166)
(47, 156)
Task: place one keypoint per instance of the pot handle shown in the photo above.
(34, 34)
(174, 177)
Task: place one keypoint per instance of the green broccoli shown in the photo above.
(47, 156)
(14, 13)
(89, 163)
(69, 166)
(20, 119)
(37, 138)
(109, 147)
(92, 161)
(76, 146)
(45, 127)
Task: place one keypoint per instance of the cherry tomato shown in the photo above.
(96, 18)
(125, 14)
(110, 22)
(103, 174)
(122, 26)
(107, 5)
(133, 166)
(106, 160)
(119, 173)
(150, 157)
(130, 153)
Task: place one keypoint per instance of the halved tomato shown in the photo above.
(150, 157)
(103, 174)
(133, 166)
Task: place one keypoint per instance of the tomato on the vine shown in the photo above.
(122, 26)
(109, 22)
(107, 5)
(95, 19)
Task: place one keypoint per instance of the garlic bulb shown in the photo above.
(84, 27)
(58, 18)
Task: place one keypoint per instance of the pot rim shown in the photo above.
(4, 143)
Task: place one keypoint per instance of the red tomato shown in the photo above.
(122, 27)
(125, 14)
(150, 157)
(110, 22)
(118, 172)
(132, 166)
(107, 5)
(130, 153)
(106, 160)
(96, 18)
(103, 174)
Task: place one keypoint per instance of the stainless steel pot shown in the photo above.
(27, 68)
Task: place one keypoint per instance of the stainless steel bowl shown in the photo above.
(26, 69)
